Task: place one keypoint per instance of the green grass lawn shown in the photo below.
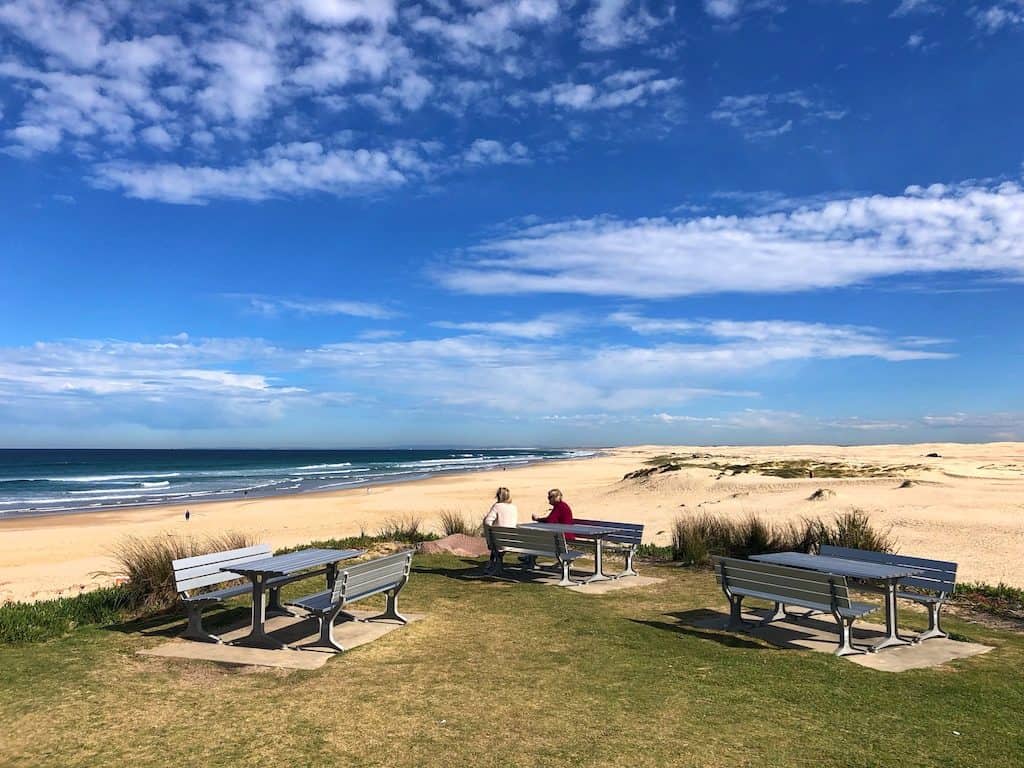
(503, 674)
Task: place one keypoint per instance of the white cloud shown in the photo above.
(940, 229)
(908, 7)
(282, 170)
(915, 41)
(491, 152)
(767, 115)
(158, 137)
(997, 16)
(272, 306)
(723, 10)
(544, 327)
(614, 23)
(622, 89)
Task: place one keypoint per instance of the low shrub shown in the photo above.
(453, 521)
(695, 538)
(999, 600)
(407, 529)
(46, 619)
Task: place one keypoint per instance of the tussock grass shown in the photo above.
(695, 538)
(404, 528)
(145, 564)
(454, 521)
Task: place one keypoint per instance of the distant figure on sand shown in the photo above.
(187, 515)
(504, 514)
(560, 514)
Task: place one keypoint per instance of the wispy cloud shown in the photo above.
(940, 229)
(767, 115)
(544, 327)
(992, 18)
(271, 306)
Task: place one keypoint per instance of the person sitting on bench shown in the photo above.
(561, 514)
(504, 514)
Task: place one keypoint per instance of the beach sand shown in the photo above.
(967, 506)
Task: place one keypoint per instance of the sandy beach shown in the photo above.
(966, 505)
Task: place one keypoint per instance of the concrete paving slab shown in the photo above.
(818, 633)
(548, 577)
(294, 631)
(614, 585)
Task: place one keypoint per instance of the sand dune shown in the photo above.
(967, 505)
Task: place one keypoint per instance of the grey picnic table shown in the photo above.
(595, 533)
(889, 575)
(292, 564)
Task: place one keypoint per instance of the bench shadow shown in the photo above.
(689, 623)
(172, 623)
(474, 571)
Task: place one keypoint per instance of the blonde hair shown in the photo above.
(503, 496)
(555, 493)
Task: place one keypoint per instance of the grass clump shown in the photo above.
(44, 620)
(695, 538)
(453, 522)
(145, 565)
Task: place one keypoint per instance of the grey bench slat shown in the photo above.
(216, 557)
(937, 579)
(204, 569)
(786, 585)
(536, 542)
(625, 533)
(787, 593)
(388, 575)
(937, 575)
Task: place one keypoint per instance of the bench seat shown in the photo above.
(935, 580)
(193, 576)
(220, 595)
(785, 585)
(383, 575)
(535, 543)
(626, 539)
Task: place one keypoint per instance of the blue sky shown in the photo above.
(529, 222)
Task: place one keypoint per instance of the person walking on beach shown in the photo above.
(504, 514)
(560, 514)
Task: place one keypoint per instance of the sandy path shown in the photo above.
(967, 506)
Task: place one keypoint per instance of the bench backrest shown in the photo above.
(625, 533)
(532, 539)
(372, 577)
(795, 586)
(205, 570)
(936, 576)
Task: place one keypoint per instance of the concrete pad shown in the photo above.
(294, 631)
(549, 576)
(614, 585)
(818, 633)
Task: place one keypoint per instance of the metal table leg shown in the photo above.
(598, 574)
(258, 637)
(892, 635)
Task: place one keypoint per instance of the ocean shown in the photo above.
(46, 481)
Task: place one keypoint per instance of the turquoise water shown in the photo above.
(45, 481)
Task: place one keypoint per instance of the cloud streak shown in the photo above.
(968, 228)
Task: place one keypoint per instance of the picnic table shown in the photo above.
(293, 564)
(595, 533)
(889, 575)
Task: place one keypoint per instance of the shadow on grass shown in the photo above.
(172, 624)
(473, 570)
(688, 623)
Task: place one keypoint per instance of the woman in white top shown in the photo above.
(504, 514)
